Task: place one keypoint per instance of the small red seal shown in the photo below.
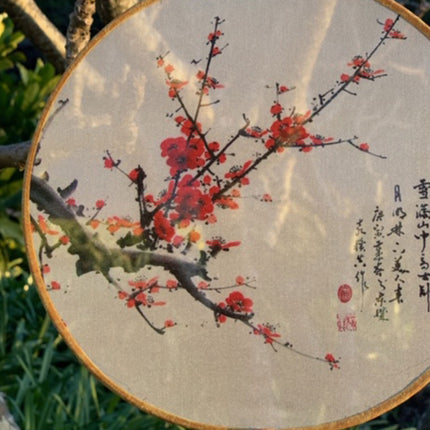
(346, 322)
(344, 293)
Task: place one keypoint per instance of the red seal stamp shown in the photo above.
(344, 293)
(346, 322)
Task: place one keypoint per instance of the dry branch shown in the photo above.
(39, 29)
(79, 29)
(14, 155)
(95, 256)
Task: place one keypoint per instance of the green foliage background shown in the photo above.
(45, 385)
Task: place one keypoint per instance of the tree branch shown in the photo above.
(39, 29)
(79, 29)
(14, 155)
(94, 256)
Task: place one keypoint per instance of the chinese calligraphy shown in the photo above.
(422, 216)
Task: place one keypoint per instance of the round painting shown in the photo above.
(227, 210)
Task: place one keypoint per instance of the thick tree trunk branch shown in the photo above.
(14, 155)
(39, 29)
(79, 30)
(95, 256)
(110, 9)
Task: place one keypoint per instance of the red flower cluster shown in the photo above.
(187, 201)
(276, 109)
(191, 204)
(109, 163)
(139, 298)
(392, 32)
(169, 323)
(134, 174)
(175, 85)
(208, 82)
(256, 132)
(287, 131)
(240, 280)
(359, 61)
(237, 302)
(188, 127)
(100, 204)
(183, 154)
(212, 37)
(239, 172)
(290, 131)
(44, 228)
(266, 198)
(227, 202)
(218, 244)
(216, 51)
(317, 139)
(115, 223)
(163, 228)
(163, 197)
(172, 284)
(362, 70)
(151, 284)
(268, 332)
(333, 362)
(55, 285)
(64, 240)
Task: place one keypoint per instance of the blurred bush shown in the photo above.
(23, 92)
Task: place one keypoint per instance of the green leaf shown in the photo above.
(46, 73)
(24, 73)
(7, 28)
(4, 260)
(31, 95)
(46, 362)
(203, 258)
(129, 240)
(49, 86)
(10, 189)
(6, 174)
(10, 229)
(5, 63)
(15, 39)
(17, 57)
